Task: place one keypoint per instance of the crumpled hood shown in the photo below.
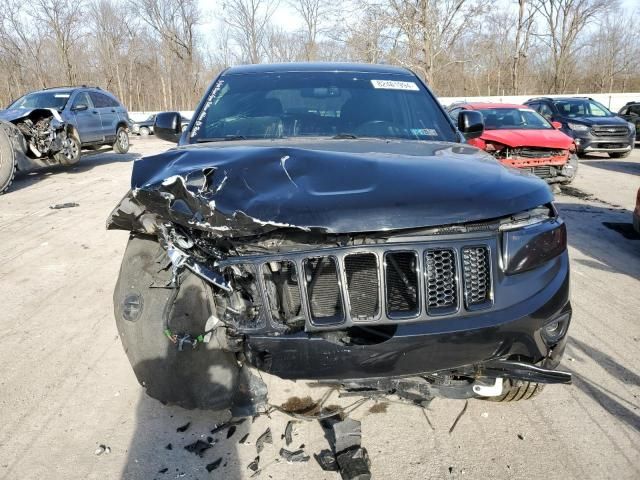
(338, 186)
(13, 114)
(529, 138)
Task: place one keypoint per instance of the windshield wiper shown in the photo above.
(342, 136)
(228, 138)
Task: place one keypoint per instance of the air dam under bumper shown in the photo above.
(436, 345)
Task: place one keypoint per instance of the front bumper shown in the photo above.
(430, 346)
(590, 143)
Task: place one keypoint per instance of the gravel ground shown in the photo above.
(66, 386)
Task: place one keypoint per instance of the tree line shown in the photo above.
(161, 54)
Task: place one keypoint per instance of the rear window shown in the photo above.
(320, 104)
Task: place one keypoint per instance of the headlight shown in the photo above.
(577, 127)
(532, 245)
(632, 127)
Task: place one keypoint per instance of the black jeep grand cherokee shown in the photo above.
(328, 222)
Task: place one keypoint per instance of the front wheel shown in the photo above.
(7, 161)
(71, 151)
(144, 131)
(121, 144)
(619, 154)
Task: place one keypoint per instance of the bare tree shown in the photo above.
(249, 24)
(315, 14)
(522, 41)
(64, 21)
(565, 20)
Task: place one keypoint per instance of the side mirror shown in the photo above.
(470, 124)
(80, 107)
(167, 126)
(556, 125)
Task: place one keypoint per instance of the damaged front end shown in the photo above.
(258, 257)
(31, 139)
(551, 165)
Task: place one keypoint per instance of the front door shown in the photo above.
(87, 121)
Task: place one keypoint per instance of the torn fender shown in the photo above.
(246, 188)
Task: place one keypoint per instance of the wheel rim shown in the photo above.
(71, 150)
(123, 139)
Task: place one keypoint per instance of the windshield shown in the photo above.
(580, 107)
(325, 104)
(56, 100)
(513, 119)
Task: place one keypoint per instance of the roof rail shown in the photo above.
(72, 86)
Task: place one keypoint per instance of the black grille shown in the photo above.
(477, 276)
(610, 130)
(442, 289)
(542, 171)
(283, 292)
(362, 285)
(401, 273)
(323, 290)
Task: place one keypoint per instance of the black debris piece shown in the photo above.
(354, 464)
(231, 431)
(253, 466)
(198, 447)
(164, 470)
(210, 439)
(291, 457)
(183, 428)
(244, 439)
(229, 424)
(213, 465)
(169, 447)
(266, 437)
(288, 433)
(59, 206)
(301, 446)
(327, 460)
(520, 436)
(450, 470)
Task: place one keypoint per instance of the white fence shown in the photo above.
(613, 101)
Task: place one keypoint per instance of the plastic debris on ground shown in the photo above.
(214, 465)
(102, 449)
(183, 428)
(347, 456)
(288, 433)
(253, 466)
(327, 460)
(198, 447)
(59, 206)
(266, 437)
(294, 457)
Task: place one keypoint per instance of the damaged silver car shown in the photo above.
(328, 222)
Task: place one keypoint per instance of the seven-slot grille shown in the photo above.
(610, 130)
(390, 285)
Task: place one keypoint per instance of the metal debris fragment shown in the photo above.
(231, 431)
(169, 446)
(288, 433)
(294, 457)
(198, 447)
(59, 206)
(213, 465)
(462, 412)
(347, 434)
(266, 437)
(163, 470)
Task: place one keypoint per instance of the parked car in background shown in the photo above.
(519, 137)
(51, 126)
(328, 222)
(145, 127)
(631, 113)
(593, 127)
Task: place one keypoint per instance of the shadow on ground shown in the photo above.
(624, 410)
(89, 160)
(621, 166)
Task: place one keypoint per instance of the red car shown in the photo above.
(520, 137)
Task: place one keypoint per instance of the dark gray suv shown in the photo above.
(94, 117)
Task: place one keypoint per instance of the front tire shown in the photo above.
(619, 154)
(121, 144)
(516, 390)
(71, 152)
(7, 162)
(144, 131)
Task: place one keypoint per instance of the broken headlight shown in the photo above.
(531, 240)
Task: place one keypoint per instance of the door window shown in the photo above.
(545, 111)
(82, 99)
